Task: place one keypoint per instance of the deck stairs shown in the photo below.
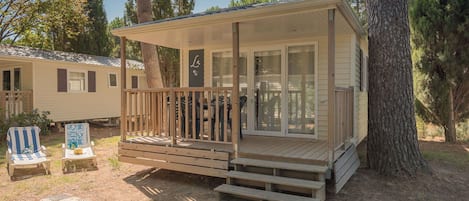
(275, 180)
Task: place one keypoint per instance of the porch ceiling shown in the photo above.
(281, 22)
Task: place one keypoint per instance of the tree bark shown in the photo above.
(392, 147)
(450, 128)
(149, 51)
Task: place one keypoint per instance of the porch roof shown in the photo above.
(260, 22)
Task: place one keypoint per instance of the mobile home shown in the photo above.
(273, 98)
(71, 86)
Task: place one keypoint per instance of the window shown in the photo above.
(222, 68)
(112, 80)
(6, 80)
(76, 81)
(17, 79)
(134, 82)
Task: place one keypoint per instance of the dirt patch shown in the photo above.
(121, 181)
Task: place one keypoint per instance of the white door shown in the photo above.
(301, 90)
(265, 92)
(282, 91)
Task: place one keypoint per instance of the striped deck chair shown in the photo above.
(77, 136)
(25, 150)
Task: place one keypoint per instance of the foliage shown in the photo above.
(441, 42)
(168, 57)
(17, 16)
(236, 3)
(96, 39)
(359, 7)
(213, 8)
(57, 25)
(34, 118)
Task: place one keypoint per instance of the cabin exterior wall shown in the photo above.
(344, 67)
(69, 106)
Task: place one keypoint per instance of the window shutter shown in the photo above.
(134, 82)
(91, 81)
(62, 80)
(362, 87)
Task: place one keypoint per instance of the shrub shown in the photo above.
(34, 118)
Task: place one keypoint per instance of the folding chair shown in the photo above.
(25, 150)
(77, 136)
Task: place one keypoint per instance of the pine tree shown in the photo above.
(441, 39)
(392, 146)
(96, 39)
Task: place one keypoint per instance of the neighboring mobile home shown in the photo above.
(298, 96)
(71, 86)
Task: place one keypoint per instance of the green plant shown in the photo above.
(33, 118)
(114, 161)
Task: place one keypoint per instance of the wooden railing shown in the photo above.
(15, 102)
(197, 114)
(343, 117)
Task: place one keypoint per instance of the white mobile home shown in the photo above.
(289, 77)
(70, 86)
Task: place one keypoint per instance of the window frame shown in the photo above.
(109, 80)
(85, 81)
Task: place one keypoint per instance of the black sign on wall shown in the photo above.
(196, 68)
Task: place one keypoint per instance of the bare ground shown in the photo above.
(120, 181)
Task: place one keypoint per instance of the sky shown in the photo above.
(115, 8)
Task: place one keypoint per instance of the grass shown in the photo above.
(114, 162)
(458, 159)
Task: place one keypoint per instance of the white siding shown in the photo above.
(66, 106)
(343, 68)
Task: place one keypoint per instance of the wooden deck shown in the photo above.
(285, 149)
(261, 147)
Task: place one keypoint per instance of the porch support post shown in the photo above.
(235, 92)
(123, 120)
(331, 85)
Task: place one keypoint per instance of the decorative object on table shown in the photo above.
(78, 146)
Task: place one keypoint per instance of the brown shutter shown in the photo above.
(91, 81)
(134, 82)
(61, 80)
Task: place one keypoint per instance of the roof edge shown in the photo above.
(231, 16)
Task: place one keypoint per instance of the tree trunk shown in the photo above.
(392, 147)
(450, 128)
(149, 51)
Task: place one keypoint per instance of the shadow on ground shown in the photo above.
(156, 184)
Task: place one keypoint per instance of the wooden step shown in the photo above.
(280, 165)
(276, 180)
(260, 194)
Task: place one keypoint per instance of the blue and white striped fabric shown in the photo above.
(24, 143)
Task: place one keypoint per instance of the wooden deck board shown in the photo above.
(260, 194)
(281, 147)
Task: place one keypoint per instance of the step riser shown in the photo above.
(276, 178)
(285, 173)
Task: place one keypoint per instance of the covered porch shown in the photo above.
(277, 111)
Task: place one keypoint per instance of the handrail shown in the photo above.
(191, 113)
(15, 102)
(344, 105)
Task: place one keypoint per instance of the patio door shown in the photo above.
(11, 79)
(266, 92)
(301, 91)
(282, 91)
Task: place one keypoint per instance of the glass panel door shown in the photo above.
(267, 90)
(222, 76)
(301, 89)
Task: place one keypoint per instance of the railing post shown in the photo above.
(172, 116)
(235, 92)
(123, 119)
(331, 84)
